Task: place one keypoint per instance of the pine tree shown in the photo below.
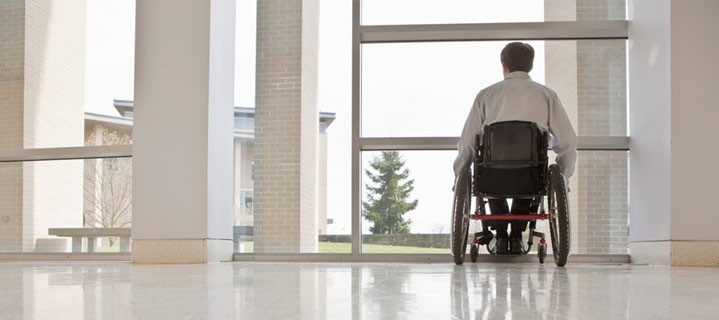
(388, 195)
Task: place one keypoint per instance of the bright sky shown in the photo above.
(422, 89)
(109, 54)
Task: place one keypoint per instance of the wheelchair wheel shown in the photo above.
(460, 216)
(558, 216)
(474, 253)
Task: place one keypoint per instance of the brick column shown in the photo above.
(286, 128)
(602, 96)
(42, 92)
(12, 54)
(595, 97)
(561, 75)
(53, 114)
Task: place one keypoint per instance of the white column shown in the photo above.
(183, 145)
(673, 110)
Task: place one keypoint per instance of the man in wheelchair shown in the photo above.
(515, 101)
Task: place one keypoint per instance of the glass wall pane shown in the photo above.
(406, 199)
(335, 180)
(47, 203)
(68, 69)
(333, 184)
(109, 69)
(436, 84)
(333, 197)
(244, 126)
(244, 213)
(245, 52)
(400, 12)
(334, 117)
(335, 105)
(598, 201)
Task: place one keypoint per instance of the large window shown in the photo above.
(416, 76)
(425, 89)
(66, 205)
(67, 84)
(402, 84)
(414, 187)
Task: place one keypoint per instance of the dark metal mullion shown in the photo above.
(560, 30)
(586, 143)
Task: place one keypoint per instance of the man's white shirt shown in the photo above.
(517, 97)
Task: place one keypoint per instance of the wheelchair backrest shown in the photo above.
(512, 144)
(511, 160)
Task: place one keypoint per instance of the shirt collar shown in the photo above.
(517, 74)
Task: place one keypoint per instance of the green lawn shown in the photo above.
(340, 247)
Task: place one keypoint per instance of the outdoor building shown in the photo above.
(114, 209)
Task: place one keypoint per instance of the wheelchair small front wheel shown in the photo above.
(542, 252)
(474, 253)
(558, 216)
(460, 216)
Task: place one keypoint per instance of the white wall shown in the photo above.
(695, 116)
(674, 107)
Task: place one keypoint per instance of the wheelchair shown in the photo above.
(511, 162)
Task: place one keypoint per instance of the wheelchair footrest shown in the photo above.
(538, 216)
(484, 237)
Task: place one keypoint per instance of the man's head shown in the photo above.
(517, 56)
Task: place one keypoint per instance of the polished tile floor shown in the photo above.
(283, 290)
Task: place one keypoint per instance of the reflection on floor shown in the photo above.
(255, 290)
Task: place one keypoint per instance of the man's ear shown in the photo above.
(504, 69)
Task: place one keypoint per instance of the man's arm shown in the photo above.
(472, 127)
(565, 138)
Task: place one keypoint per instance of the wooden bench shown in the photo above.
(91, 234)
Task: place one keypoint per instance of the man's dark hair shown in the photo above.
(518, 56)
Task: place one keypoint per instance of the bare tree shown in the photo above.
(108, 185)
